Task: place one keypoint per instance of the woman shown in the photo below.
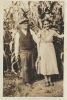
(47, 58)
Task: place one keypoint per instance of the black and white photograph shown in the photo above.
(33, 49)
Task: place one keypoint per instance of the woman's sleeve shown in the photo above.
(16, 44)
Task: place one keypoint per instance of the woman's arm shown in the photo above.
(58, 35)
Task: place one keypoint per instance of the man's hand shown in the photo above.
(16, 58)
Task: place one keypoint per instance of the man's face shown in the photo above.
(23, 26)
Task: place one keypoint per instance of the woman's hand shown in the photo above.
(58, 35)
(37, 61)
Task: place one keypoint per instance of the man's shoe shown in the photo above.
(47, 84)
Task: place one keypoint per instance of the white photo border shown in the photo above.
(2, 2)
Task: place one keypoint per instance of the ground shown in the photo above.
(13, 87)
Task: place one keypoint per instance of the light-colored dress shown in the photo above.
(47, 63)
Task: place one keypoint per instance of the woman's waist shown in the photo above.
(46, 42)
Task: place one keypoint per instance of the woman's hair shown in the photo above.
(47, 22)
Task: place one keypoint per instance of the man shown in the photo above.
(24, 46)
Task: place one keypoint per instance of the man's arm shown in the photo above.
(16, 44)
(24, 32)
(35, 38)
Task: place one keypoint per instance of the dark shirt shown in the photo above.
(26, 41)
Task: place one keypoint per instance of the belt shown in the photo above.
(25, 50)
(48, 42)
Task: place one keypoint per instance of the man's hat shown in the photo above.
(25, 21)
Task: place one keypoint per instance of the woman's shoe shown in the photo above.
(51, 83)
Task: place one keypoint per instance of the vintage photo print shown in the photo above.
(33, 49)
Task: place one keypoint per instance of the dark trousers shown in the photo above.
(26, 57)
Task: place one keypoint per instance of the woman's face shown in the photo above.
(46, 24)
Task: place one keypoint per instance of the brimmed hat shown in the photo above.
(25, 21)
